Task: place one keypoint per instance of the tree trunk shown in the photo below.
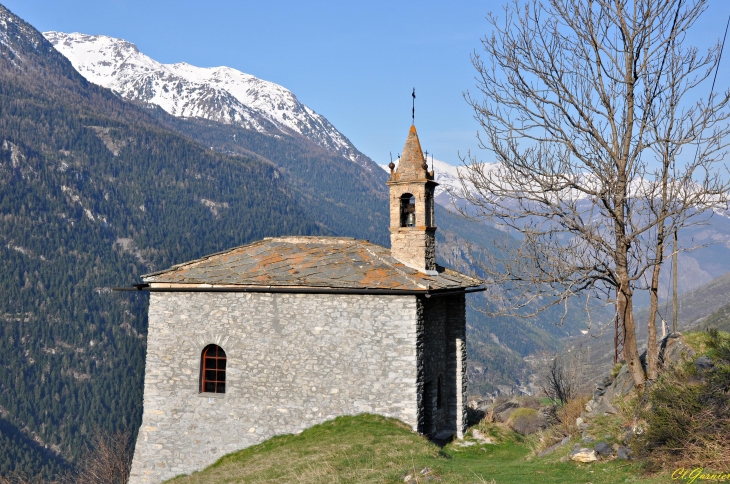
(652, 350)
(631, 350)
(625, 301)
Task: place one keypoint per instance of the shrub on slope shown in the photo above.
(688, 417)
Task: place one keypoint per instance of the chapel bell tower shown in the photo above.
(412, 225)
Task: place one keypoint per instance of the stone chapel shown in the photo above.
(284, 333)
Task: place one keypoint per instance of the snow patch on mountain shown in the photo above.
(220, 94)
(4, 28)
(446, 175)
(450, 192)
(5, 20)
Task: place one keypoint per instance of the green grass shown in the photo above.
(371, 448)
(698, 341)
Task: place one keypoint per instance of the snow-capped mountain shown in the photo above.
(446, 175)
(220, 94)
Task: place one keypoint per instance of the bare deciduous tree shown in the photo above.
(108, 460)
(557, 381)
(603, 150)
(20, 478)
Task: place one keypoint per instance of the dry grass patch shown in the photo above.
(498, 432)
(568, 413)
(543, 440)
(688, 412)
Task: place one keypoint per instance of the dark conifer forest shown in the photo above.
(95, 192)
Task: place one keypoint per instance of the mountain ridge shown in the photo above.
(220, 94)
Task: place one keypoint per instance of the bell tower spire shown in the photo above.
(412, 225)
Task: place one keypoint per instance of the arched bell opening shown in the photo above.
(407, 210)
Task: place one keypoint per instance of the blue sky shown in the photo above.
(353, 62)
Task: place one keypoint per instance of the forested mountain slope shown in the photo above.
(343, 197)
(93, 192)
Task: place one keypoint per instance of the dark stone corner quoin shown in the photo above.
(288, 332)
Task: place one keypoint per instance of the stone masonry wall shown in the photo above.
(293, 361)
(444, 355)
(413, 245)
(456, 335)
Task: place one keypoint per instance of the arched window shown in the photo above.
(439, 391)
(213, 370)
(407, 210)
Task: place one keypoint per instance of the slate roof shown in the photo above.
(309, 262)
(412, 162)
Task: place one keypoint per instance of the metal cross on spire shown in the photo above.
(413, 110)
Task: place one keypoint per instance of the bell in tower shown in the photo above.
(412, 228)
(408, 210)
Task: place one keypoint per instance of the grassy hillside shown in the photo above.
(720, 319)
(374, 449)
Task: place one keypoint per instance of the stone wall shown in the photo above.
(294, 360)
(415, 246)
(456, 334)
(444, 362)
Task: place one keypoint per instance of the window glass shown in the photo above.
(213, 370)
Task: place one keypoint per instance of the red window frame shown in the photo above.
(213, 370)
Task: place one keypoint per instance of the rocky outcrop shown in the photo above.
(553, 447)
(603, 449)
(583, 454)
(503, 411)
(672, 350)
